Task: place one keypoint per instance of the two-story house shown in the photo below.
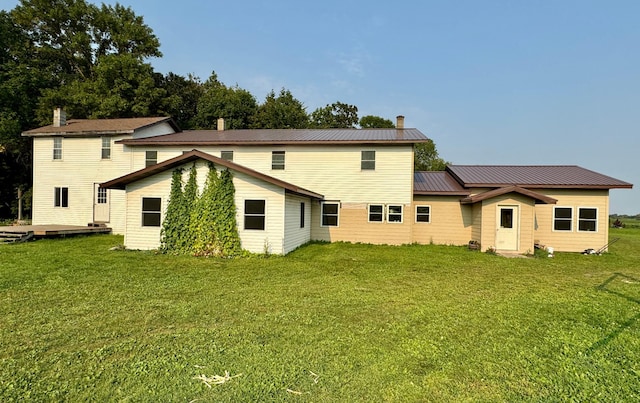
(293, 186)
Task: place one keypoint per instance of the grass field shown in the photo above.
(329, 322)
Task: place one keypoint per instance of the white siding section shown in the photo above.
(294, 234)
(331, 170)
(271, 239)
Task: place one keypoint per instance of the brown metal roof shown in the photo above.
(544, 199)
(436, 183)
(283, 136)
(89, 127)
(533, 176)
(123, 181)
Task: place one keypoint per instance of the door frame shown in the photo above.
(510, 236)
(96, 206)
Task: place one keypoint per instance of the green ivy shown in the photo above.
(205, 224)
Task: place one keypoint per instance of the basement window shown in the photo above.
(562, 218)
(151, 211)
(587, 219)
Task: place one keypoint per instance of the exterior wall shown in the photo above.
(354, 226)
(526, 214)
(257, 241)
(333, 170)
(80, 168)
(294, 234)
(574, 240)
(451, 223)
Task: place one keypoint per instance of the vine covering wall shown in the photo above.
(205, 224)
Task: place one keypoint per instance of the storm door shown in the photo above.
(507, 228)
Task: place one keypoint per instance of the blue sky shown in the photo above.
(491, 82)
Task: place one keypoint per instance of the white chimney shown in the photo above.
(220, 124)
(399, 122)
(59, 118)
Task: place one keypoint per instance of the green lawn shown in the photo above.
(329, 322)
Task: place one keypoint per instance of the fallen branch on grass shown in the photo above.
(216, 379)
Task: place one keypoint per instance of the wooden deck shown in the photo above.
(21, 233)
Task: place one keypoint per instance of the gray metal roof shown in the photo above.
(284, 136)
(533, 176)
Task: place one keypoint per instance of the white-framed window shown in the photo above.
(376, 213)
(106, 148)
(423, 214)
(102, 196)
(150, 158)
(226, 155)
(368, 160)
(330, 214)
(394, 213)
(562, 218)
(61, 197)
(277, 160)
(57, 148)
(588, 219)
(254, 214)
(151, 208)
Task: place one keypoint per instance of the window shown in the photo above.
(277, 160)
(368, 160)
(102, 196)
(106, 148)
(506, 217)
(394, 213)
(254, 214)
(226, 155)
(376, 212)
(587, 219)
(151, 211)
(423, 213)
(562, 217)
(61, 197)
(329, 214)
(301, 215)
(150, 158)
(57, 148)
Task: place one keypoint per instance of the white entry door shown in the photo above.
(100, 204)
(507, 230)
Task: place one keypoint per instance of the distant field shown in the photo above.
(329, 322)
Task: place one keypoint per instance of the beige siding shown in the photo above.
(525, 223)
(294, 234)
(574, 240)
(451, 222)
(137, 236)
(333, 171)
(354, 226)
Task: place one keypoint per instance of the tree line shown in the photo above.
(93, 61)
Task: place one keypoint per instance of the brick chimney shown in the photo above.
(59, 117)
(220, 124)
(399, 122)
